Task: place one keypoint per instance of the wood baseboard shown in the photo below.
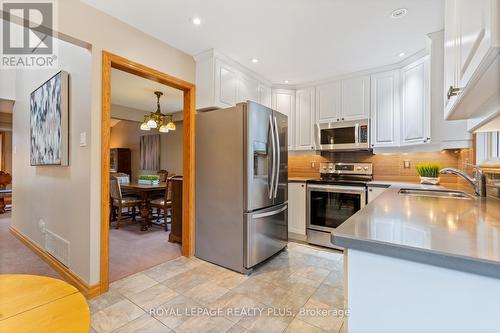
(89, 291)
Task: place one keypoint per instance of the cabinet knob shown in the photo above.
(302, 185)
(342, 118)
(453, 92)
(371, 190)
(338, 119)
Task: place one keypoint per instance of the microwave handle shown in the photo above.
(356, 133)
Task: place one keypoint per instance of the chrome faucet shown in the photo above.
(478, 180)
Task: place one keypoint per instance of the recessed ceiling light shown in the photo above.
(286, 81)
(255, 60)
(399, 13)
(196, 21)
(402, 54)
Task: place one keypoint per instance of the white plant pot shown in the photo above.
(429, 180)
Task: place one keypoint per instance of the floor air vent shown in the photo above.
(57, 246)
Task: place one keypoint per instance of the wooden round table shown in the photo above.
(32, 303)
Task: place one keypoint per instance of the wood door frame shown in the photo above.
(109, 61)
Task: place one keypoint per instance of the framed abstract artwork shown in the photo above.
(49, 122)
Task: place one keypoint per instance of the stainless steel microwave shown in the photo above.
(343, 135)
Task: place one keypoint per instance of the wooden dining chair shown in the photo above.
(164, 204)
(5, 180)
(119, 202)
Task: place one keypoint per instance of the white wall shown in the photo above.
(7, 82)
(84, 25)
(58, 195)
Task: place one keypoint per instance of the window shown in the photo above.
(487, 146)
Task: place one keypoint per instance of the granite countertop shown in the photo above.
(461, 234)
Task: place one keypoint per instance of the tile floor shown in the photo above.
(298, 291)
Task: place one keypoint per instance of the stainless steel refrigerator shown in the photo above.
(241, 185)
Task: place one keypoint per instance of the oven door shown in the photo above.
(328, 206)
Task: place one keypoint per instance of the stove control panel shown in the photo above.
(346, 168)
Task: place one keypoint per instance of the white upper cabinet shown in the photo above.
(385, 111)
(227, 83)
(304, 119)
(328, 102)
(265, 95)
(415, 102)
(248, 89)
(283, 100)
(355, 95)
(472, 48)
(222, 83)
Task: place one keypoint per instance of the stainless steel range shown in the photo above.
(336, 196)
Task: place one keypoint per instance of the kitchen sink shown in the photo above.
(436, 193)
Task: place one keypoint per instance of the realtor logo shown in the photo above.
(27, 29)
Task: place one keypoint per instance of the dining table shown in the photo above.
(146, 193)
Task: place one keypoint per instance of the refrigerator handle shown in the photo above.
(273, 169)
(274, 212)
(277, 157)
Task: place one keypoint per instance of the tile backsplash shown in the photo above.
(385, 166)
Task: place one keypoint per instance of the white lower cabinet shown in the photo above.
(374, 191)
(297, 210)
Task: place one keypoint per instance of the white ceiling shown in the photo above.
(295, 40)
(135, 92)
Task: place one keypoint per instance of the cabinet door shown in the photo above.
(473, 19)
(415, 103)
(226, 84)
(304, 115)
(248, 90)
(297, 208)
(284, 101)
(374, 192)
(328, 102)
(355, 98)
(265, 95)
(385, 109)
(450, 54)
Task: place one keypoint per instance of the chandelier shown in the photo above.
(157, 119)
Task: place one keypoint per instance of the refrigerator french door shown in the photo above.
(267, 157)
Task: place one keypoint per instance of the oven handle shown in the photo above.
(338, 189)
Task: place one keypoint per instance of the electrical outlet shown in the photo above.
(406, 164)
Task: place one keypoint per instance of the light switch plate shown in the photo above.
(83, 139)
(406, 164)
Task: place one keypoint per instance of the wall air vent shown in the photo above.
(57, 246)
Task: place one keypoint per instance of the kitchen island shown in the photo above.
(422, 264)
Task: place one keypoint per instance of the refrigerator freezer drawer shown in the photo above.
(266, 233)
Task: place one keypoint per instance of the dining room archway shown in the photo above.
(110, 61)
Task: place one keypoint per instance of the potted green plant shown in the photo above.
(429, 172)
